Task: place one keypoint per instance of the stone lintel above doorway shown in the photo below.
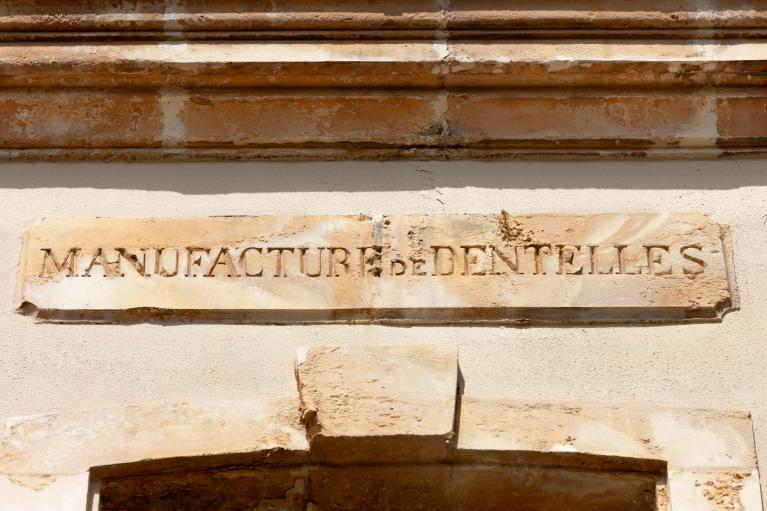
(634, 457)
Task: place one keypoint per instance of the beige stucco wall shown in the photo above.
(46, 368)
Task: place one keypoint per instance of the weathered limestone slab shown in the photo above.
(703, 460)
(378, 402)
(37, 450)
(428, 269)
(690, 440)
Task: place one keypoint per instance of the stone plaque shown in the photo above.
(419, 268)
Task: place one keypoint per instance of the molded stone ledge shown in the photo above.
(425, 79)
(78, 17)
(376, 124)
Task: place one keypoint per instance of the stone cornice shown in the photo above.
(425, 79)
(25, 20)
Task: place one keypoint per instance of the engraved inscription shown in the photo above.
(430, 268)
(444, 260)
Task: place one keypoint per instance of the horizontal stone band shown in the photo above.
(410, 64)
(77, 17)
(209, 79)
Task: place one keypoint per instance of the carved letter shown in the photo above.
(539, 253)
(100, 259)
(593, 258)
(471, 260)
(69, 263)
(437, 260)
(621, 258)
(567, 255)
(610, 257)
(132, 258)
(192, 261)
(334, 262)
(657, 254)
(418, 266)
(304, 267)
(513, 266)
(398, 267)
(160, 269)
(244, 262)
(700, 264)
(281, 269)
(231, 269)
(632, 260)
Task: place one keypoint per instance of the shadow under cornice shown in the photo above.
(276, 177)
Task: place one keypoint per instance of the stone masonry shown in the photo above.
(380, 428)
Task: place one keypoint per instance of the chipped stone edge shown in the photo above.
(386, 448)
(729, 261)
(20, 305)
